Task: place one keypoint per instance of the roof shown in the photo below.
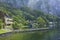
(4, 14)
(7, 15)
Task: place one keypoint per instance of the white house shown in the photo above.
(7, 20)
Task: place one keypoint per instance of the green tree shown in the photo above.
(41, 22)
(1, 23)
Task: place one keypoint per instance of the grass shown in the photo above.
(3, 31)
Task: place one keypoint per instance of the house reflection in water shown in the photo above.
(7, 21)
(52, 24)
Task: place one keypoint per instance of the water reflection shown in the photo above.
(53, 35)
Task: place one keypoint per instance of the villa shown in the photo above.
(7, 21)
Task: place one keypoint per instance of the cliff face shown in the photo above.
(49, 6)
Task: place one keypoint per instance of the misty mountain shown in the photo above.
(49, 6)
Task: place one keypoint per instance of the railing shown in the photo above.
(32, 30)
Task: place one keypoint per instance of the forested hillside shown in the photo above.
(25, 17)
(49, 6)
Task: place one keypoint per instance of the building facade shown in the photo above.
(7, 21)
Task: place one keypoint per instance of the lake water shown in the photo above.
(54, 35)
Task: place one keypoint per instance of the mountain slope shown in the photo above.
(49, 6)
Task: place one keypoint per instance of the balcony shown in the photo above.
(8, 20)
